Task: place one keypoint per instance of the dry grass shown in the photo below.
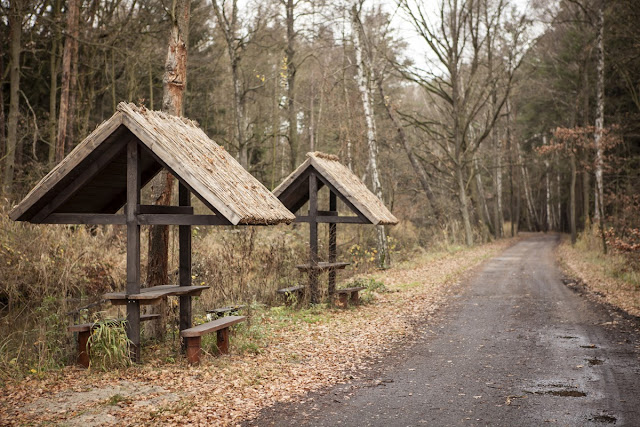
(612, 276)
(297, 352)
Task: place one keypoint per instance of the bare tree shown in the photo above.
(365, 76)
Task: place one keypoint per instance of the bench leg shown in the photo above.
(193, 350)
(223, 340)
(355, 298)
(83, 348)
(343, 300)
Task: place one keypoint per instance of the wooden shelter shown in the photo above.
(302, 186)
(106, 172)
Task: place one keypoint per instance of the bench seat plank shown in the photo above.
(323, 266)
(153, 294)
(350, 290)
(214, 325)
(291, 289)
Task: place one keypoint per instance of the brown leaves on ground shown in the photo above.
(598, 271)
(304, 353)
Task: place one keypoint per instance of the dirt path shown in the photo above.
(516, 347)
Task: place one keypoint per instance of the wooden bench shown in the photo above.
(298, 291)
(84, 332)
(223, 311)
(192, 336)
(349, 294)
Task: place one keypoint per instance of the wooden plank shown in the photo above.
(341, 194)
(87, 326)
(313, 238)
(180, 219)
(84, 218)
(323, 266)
(291, 289)
(333, 219)
(156, 292)
(159, 209)
(214, 325)
(350, 290)
(333, 206)
(133, 247)
(184, 259)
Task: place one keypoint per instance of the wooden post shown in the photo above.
(184, 237)
(133, 247)
(83, 348)
(193, 349)
(333, 207)
(313, 238)
(222, 340)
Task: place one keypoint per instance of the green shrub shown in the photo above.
(109, 345)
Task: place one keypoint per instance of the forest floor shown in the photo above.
(294, 352)
(299, 351)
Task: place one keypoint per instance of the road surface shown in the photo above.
(516, 347)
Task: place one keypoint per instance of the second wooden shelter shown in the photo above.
(302, 186)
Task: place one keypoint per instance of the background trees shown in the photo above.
(460, 116)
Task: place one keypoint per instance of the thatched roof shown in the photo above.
(92, 178)
(294, 190)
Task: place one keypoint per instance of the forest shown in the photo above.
(472, 120)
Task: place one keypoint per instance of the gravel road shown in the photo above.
(515, 347)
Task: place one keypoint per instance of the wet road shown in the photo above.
(516, 347)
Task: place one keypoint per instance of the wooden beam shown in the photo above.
(181, 219)
(344, 199)
(313, 238)
(159, 209)
(334, 219)
(333, 206)
(133, 247)
(184, 241)
(84, 218)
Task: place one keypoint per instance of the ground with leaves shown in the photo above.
(300, 351)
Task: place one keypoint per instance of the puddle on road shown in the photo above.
(589, 346)
(595, 362)
(564, 393)
(605, 419)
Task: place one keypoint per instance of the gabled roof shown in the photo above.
(294, 190)
(93, 179)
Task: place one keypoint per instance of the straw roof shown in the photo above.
(93, 175)
(294, 190)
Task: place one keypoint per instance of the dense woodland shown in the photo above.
(496, 117)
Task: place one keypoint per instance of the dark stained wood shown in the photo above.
(83, 347)
(342, 197)
(154, 294)
(164, 210)
(323, 266)
(333, 219)
(194, 349)
(133, 248)
(180, 219)
(313, 238)
(333, 206)
(84, 218)
(352, 295)
(223, 340)
(184, 240)
(214, 325)
(220, 312)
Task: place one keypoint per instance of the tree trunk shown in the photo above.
(547, 182)
(15, 29)
(174, 83)
(364, 86)
(532, 216)
(464, 205)
(484, 209)
(70, 46)
(572, 198)
(291, 65)
(599, 210)
(53, 83)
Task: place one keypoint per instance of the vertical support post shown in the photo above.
(184, 238)
(133, 247)
(333, 207)
(83, 347)
(313, 238)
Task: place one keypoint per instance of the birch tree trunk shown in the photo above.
(547, 182)
(174, 83)
(599, 198)
(15, 46)
(70, 51)
(364, 86)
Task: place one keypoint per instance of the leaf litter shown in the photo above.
(301, 357)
